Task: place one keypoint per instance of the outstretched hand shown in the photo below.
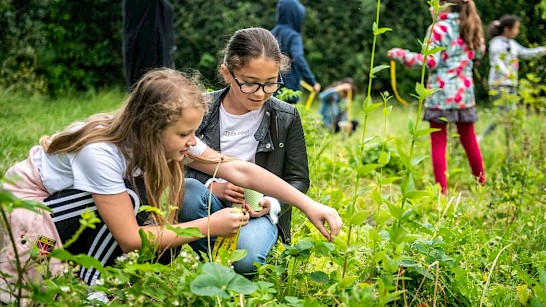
(228, 191)
(320, 214)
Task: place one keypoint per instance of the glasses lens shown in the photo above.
(271, 88)
(249, 88)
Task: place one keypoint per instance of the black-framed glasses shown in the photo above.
(253, 87)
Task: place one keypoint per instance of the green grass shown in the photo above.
(465, 231)
(24, 120)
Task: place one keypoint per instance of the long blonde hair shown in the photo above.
(471, 29)
(157, 101)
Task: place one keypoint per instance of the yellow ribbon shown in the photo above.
(311, 96)
(393, 83)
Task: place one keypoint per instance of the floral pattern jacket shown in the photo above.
(450, 69)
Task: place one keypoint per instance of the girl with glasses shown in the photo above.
(247, 122)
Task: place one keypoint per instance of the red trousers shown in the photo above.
(438, 149)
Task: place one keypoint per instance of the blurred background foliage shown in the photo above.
(57, 47)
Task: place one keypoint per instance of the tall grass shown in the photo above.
(23, 120)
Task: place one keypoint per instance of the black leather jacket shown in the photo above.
(281, 147)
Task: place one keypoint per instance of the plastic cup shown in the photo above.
(253, 198)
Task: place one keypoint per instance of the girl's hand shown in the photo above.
(396, 53)
(320, 214)
(228, 191)
(226, 222)
(316, 87)
(266, 208)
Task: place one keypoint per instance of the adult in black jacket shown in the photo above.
(245, 121)
(148, 37)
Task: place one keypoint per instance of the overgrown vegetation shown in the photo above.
(58, 46)
(403, 244)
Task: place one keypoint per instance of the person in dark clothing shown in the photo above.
(289, 20)
(148, 37)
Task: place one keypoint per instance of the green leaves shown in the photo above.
(218, 280)
(190, 232)
(379, 31)
(83, 260)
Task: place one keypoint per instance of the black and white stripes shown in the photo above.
(67, 207)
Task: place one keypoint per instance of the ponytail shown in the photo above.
(497, 27)
(471, 24)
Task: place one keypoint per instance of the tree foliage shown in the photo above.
(59, 46)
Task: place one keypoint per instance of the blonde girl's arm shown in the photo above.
(249, 175)
(117, 213)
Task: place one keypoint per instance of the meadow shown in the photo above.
(402, 242)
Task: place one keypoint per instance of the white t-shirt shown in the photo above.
(97, 168)
(237, 133)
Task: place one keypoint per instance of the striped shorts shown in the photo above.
(67, 207)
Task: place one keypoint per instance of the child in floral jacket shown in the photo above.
(459, 31)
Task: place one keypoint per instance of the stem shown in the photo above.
(491, 273)
(347, 256)
(436, 284)
(291, 278)
(424, 278)
(365, 121)
(17, 260)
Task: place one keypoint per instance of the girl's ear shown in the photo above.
(225, 72)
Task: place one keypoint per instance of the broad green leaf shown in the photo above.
(388, 180)
(420, 90)
(395, 211)
(418, 160)
(411, 127)
(381, 31)
(425, 131)
(435, 49)
(379, 68)
(367, 102)
(384, 158)
(358, 218)
(374, 236)
(404, 158)
(190, 232)
(347, 282)
(208, 285)
(417, 194)
(240, 284)
(83, 260)
(304, 245)
(319, 277)
(215, 279)
(265, 286)
(377, 198)
(372, 107)
(542, 276)
(364, 170)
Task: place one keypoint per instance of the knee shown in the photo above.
(195, 200)
(194, 185)
(246, 265)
